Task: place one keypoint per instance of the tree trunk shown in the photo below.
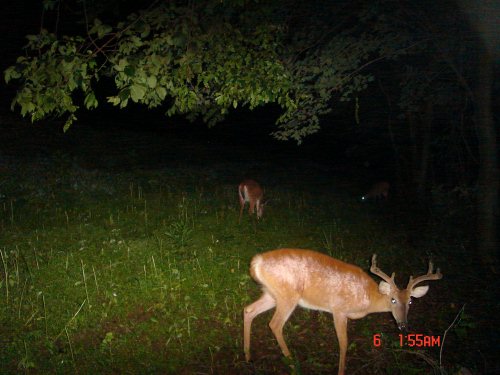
(483, 16)
(488, 168)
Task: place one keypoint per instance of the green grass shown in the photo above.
(147, 272)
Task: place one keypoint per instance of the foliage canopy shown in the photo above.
(200, 59)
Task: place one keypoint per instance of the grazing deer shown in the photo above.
(251, 192)
(380, 190)
(292, 277)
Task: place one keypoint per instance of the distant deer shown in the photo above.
(251, 192)
(291, 277)
(380, 190)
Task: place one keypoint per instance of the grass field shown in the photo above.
(146, 271)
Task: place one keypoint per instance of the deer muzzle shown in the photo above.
(403, 327)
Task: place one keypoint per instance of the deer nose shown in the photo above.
(403, 327)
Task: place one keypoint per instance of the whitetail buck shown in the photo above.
(380, 190)
(291, 277)
(251, 192)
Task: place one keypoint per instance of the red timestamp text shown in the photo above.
(419, 340)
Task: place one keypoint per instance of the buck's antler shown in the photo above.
(377, 271)
(429, 276)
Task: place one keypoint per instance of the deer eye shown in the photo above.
(393, 300)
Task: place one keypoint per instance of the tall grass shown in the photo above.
(147, 272)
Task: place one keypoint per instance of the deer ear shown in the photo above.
(420, 291)
(384, 288)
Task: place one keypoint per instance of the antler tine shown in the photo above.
(428, 276)
(377, 271)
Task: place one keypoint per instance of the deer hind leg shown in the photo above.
(264, 303)
(242, 203)
(340, 322)
(242, 206)
(284, 308)
(251, 208)
(258, 208)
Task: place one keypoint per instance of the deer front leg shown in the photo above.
(340, 322)
(264, 303)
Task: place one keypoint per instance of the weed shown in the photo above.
(179, 233)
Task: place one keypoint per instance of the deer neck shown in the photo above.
(378, 302)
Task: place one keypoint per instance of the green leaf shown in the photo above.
(145, 32)
(123, 103)
(11, 73)
(68, 122)
(129, 71)
(103, 30)
(151, 81)
(115, 100)
(124, 94)
(90, 100)
(122, 64)
(161, 92)
(137, 92)
(27, 107)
